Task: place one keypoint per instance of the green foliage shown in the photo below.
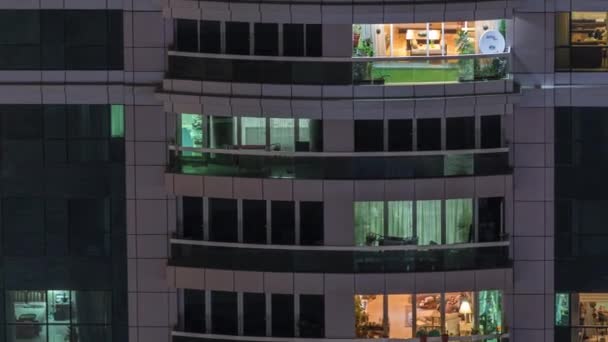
(197, 125)
(464, 46)
(434, 333)
(502, 28)
(365, 48)
(421, 333)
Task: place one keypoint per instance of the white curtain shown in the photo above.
(282, 134)
(458, 220)
(400, 220)
(369, 221)
(253, 131)
(428, 222)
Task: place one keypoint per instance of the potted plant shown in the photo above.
(465, 47)
(356, 35)
(370, 239)
(445, 337)
(422, 335)
(434, 333)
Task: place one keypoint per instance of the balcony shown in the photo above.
(410, 70)
(178, 336)
(333, 259)
(339, 165)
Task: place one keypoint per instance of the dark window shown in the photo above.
(192, 217)
(254, 221)
(314, 40)
(224, 316)
(210, 38)
(237, 38)
(429, 134)
(88, 121)
(266, 39)
(312, 316)
(490, 131)
(223, 220)
(311, 223)
(194, 311)
(293, 39)
(460, 133)
(21, 122)
(490, 219)
(186, 35)
(61, 39)
(369, 135)
(89, 227)
(254, 314)
(400, 135)
(283, 222)
(282, 315)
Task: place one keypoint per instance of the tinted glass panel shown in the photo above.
(237, 38)
(254, 314)
(283, 222)
(224, 316)
(293, 39)
(490, 219)
(490, 131)
(282, 315)
(266, 39)
(19, 27)
(254, 221)
(210, 36)
(312, 316)
(194, 311)
(460, 133)
(314, 40)
(223, 220)
(369, 135)
(192, 217)
(400, 135)
(186, 35)
(429, 134)
(311, 223)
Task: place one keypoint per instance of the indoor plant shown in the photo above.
(356, 35)
(465, 47)
(422, 335)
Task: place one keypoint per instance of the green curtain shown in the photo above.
(562, 309)
(282, 134)
(458, 220)
(369, 220)
(253, 131)
(400, 219)
(117, 121)
(428, 222)
(490, 311)
(191, 130)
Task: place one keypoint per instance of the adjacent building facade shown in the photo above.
(273, 170)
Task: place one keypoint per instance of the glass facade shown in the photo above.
(392, 222)
(61, 40)
(580, 41)
(401, 316)
(280, 321)
(62, 202)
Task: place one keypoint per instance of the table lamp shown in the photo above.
(465, 309)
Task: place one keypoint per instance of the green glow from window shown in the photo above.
(562, 309)
(117, 121)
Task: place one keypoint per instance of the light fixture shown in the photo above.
(434, 35)
(465, 309)
(409, 34)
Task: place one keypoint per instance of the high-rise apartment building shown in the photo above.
(303, 170)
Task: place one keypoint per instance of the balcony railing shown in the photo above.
(335, 259)
(328, 165)
(179, 336)
(338, 70)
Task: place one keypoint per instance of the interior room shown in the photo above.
(592, 314)
(457, 313)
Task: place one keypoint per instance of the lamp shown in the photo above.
(434, 35)
(409, 34)
(465, 309)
